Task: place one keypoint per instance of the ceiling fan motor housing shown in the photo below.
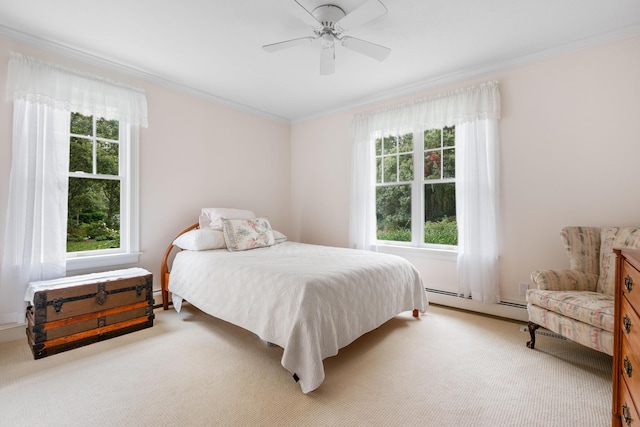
(328, 15)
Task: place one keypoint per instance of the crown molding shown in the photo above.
(448, 79)
(118, 67)
(462, 75)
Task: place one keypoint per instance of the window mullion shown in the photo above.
(442, 154)
(94, 143)
(417, 227)
(124, 171)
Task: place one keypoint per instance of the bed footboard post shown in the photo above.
(416, 313)
(165, 299)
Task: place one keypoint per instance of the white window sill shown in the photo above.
(429, 253)
(99, 261)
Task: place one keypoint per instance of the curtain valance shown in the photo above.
(39, 82)
(453, 108)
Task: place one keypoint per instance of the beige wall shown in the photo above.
(194, 154)
(569, 156)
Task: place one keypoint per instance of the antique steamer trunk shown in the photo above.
(79, 310)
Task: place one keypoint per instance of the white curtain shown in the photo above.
(475, 112)
(477, 204)
(36, 221)
(34, 241)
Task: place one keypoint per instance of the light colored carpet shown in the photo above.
(450, 368)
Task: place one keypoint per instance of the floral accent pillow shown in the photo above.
(243, 234)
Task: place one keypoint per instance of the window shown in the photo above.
(453, 188)
(101, 221)
(418, 208)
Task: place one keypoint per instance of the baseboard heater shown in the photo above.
(544, 332)
(455, 295)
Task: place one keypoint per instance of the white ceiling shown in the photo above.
(213, 47)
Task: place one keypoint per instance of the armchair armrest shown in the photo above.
(564, 280)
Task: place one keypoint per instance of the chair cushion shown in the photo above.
(593, 308)
(613, 237)
(579, 332)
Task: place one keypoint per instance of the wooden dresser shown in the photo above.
(626, 350)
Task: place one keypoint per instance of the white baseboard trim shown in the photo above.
(13, 332)
(506, 309)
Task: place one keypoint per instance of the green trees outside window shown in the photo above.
(93, 220)
(396, 180)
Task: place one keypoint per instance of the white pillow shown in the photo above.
(212, 217)
(243, 234)
(279, 237)
(201, 240)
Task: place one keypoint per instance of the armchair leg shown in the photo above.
(532, 331)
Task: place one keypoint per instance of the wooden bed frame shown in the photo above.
(164, 268)
(164, 271)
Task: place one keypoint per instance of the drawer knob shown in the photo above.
(628, 369)
(626, 414)
(626, 324)
(628, 283)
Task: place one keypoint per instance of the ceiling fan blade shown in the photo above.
(365, 13)
(287, 44)
(303, 14)
(364, 47)
(327, 60)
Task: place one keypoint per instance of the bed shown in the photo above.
(310, 300)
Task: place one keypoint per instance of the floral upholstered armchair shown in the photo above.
(578, 303)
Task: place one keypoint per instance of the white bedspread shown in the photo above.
(310, 300)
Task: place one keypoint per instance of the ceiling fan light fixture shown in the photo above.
(328, 22)
(328, 40)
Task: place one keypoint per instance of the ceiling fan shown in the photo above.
(328, 23)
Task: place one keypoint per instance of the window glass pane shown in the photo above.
(390, 169)
(449, 137)
(449, 163)
(432, 139)
(80, 155)
(81, 125)
(94, 214)
(406, 167)
(107, 157)
(393, 213)
(379, 170)
(406, 143)
(107, 129)
(440, 214)
(379, 147)
(390, 145)
(432, 165)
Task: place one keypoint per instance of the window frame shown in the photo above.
(417, 195)
(129, 176)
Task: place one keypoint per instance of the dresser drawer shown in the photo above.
(630, 324)
(631, 284)
(630, 369)
(627, 409)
